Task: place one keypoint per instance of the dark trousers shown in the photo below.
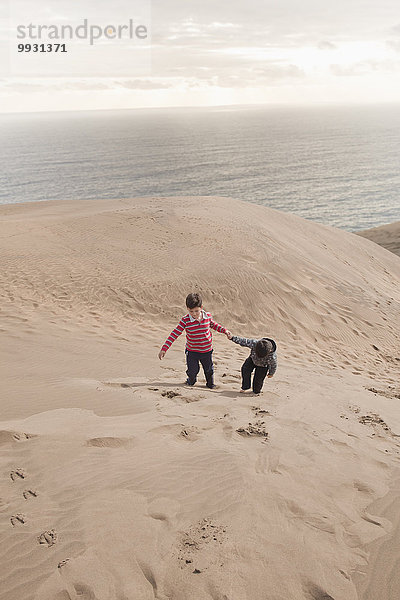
(259, 375)
(193, 360)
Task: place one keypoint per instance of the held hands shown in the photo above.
(228, 335)
(269, 376)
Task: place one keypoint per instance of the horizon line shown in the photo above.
(214, 106)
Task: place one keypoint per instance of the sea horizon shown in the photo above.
(333, 164)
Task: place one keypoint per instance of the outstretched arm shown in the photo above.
(171, 338)
(217, 326)
(248, 342)
(220, 328)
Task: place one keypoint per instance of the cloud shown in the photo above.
(49, 85)
(349, 70)
(364, 67)
(24, 88)
(37, 85)
(393, 45)
(324, 45)
(146, 84)
(257, 43)
(87, 85)
(217, 25)
(271, 74)
(209, 35)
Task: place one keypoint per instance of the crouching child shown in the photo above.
(262, 361)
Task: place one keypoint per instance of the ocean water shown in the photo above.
(334, 165)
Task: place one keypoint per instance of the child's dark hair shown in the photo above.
(194, 300)
(263, 347)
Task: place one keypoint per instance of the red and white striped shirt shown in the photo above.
(198, 334)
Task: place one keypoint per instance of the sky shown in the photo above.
(204, 53)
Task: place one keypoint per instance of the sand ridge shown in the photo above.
(116, 480)
(387, 236)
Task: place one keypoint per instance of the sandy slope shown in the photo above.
(387, 236)
(146, 489)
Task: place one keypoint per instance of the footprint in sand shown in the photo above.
(260, 412)
(29, 494)
(118, 384)
(191, 399)
(374, 419)
(18, 519)
(88, 577)
(227, 428)
(314, 592)
(170, 394)
(227, 431)
(7, 437)
(49, 537)
(230, 378)
(179, 431)
(84, 592)
(62, 563)
(190, 433)
(17, 474)
(390, 393)
(195, 544)
(254, 429)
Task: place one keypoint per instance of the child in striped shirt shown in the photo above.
(199, 348)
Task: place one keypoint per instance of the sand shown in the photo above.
(118, 482)
(387, 236)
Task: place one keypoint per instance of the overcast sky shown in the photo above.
(208, 53)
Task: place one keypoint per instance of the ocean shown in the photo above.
(334, 165)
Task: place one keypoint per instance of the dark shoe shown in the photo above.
(187, 382)
(212, 386)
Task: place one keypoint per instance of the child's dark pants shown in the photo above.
(259, 376)
(193, 367)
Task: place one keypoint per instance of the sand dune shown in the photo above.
(119, 482)
(387, 236)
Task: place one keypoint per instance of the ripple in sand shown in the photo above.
(110, 442)
(3, 504)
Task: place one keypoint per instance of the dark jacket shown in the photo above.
(270, 360)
